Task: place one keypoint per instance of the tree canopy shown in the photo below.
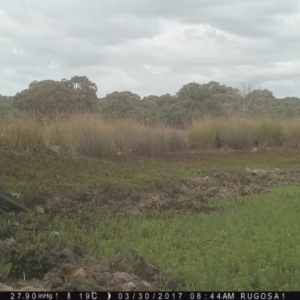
(47, 97)
(86, 88)
(66, 96)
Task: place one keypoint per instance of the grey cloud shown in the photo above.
(150, 47)
(247, 18)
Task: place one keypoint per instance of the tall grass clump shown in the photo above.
(243, 133)
(144, 140)
(22, 134)
(203, 132)
(235, 133)
(90, 134)
(291, 132)
(268, 131)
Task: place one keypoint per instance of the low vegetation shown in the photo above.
(108, 207)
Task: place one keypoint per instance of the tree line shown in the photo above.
(192, 101)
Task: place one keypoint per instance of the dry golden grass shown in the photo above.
(203, 132)
(91, 135)
(22, 134)
(244, 133)
(236, 133)
(268, 131)
(291, 133)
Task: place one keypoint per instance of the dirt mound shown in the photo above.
(194, 194)
(70, 270)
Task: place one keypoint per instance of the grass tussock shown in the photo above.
(244, 133)
(269, 131)
(22, 134)
(235, 133)
(291, 133)
(91, 135)
(203, 132)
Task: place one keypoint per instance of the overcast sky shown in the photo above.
(151, 47)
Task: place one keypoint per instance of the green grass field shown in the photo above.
(251, 244)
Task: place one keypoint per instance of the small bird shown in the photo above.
(9, 204)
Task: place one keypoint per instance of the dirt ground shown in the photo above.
(69, 269)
